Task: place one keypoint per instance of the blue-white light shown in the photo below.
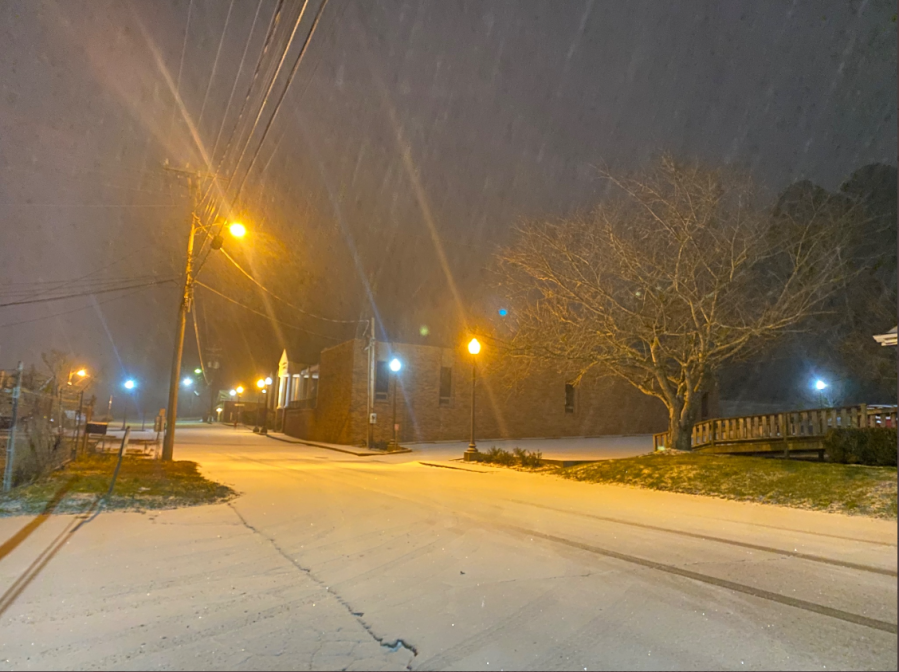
(503, 312)
(130, 384)
(187, 382)
(395, 365)
(820, 385)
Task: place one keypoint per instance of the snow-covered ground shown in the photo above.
(332, 561)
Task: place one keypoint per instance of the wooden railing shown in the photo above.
(791, 424)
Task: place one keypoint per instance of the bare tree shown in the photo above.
(677, 272)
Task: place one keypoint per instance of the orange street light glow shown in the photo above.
(474, 347)
(237, 230)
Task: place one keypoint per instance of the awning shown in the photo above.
(888, 338)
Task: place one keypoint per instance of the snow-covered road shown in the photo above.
(330, 561)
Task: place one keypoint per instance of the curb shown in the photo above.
(338, 450)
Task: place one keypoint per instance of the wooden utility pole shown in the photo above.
(168, 443)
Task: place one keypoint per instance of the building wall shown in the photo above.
(533, 408)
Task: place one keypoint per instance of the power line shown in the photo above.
(88, 293)
(66, 312)
(290, 77)
(236, 79)
(271, 86)
(215, 64)
(285, 301)
(253, 310)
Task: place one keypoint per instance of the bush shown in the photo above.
(528, 459)
(873, 446)
(518, 456)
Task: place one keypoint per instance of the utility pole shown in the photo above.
(168, 443)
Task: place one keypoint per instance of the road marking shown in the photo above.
(876, 624)
(732, 542)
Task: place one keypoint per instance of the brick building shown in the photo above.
(329, 401)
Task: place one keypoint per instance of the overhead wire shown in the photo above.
(72, 310)
(215, 65)
(268, 91)
(257, 312)
(284, 301)
(277, 107)
(87, 293)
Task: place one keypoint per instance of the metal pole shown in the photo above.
(11, 439)
(77, 424)
(472, 446)
(395, 381)
(371, 381)
(168, 443)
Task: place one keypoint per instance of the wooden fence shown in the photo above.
(769, 427)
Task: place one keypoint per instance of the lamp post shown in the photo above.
(129, 385)
(474, 347)
(239, 391)
(395, 366)
(263, 385)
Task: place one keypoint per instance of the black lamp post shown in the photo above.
(474, 347)
(395, 366)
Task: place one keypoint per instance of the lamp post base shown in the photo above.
(471, 454)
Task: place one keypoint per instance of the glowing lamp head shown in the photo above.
(820, 385)
(187, 382)
(239, 389)
(395, 365)
(233, 393)
(474, 346)
(268, 380)
(81, 373)
(260, 383)
(198, 371)
(130, 384)
(218, 410)
(237, 230)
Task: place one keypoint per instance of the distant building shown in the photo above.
(329, 401)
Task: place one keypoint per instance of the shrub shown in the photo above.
(500, 456)
(528, 459)
(873, 446)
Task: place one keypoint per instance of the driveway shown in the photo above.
(330, 561)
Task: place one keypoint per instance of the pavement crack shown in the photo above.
(392, 646)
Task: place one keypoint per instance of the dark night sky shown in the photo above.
(408, 122)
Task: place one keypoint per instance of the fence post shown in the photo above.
(11, 439)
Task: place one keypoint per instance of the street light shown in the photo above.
(187, 382)
(395, 366)
(820, 385)
(474, 347)
(128, 385)
(198, 371)
(237, 230)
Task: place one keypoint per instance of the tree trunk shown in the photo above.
(680, 428)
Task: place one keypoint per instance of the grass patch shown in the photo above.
(836, 488)
(143, 483)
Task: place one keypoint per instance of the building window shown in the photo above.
(446, 385)
(569, 398)
(382, 381)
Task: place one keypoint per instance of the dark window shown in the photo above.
(569, 398)
(382, 382)
(446, 385)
